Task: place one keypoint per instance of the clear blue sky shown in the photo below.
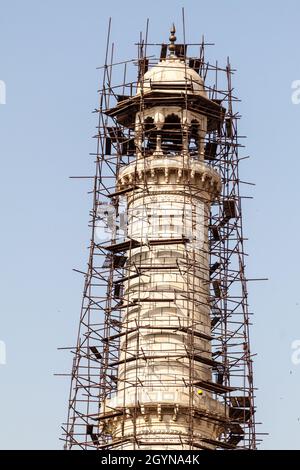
(49, 52)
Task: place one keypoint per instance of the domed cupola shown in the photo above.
(172, 75)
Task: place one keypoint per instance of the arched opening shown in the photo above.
(171, 135)
(194, 137)
(150, 133)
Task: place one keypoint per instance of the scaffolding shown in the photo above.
(111, 337)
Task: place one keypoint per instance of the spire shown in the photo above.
(172, 39)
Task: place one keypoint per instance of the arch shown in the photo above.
(194, 137)
(148, 124)
(172, 120)
(150, 133)
(172, 134)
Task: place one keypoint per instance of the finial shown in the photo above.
(172, 38)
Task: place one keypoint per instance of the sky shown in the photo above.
(49, 53)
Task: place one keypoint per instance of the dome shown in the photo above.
(170, 76)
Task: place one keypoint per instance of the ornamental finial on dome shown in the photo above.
(172, 38)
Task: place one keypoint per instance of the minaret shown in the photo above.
(165, 364)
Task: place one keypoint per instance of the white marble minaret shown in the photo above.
(165, 352)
